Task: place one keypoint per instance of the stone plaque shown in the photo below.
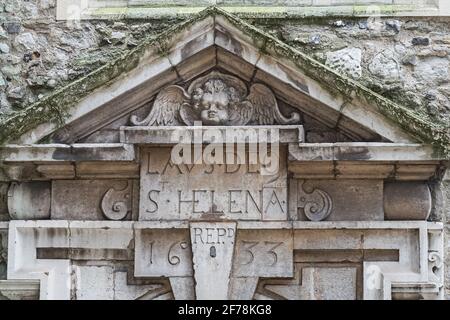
(210, 191)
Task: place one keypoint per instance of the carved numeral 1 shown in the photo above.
(151, 252)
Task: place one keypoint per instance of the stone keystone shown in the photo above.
(212, 254)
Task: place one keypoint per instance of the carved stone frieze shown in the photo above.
(215, 99)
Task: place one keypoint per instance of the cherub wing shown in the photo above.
(265, 109)
(240, 113)
(166, 108)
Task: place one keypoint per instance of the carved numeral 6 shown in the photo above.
(172, 258)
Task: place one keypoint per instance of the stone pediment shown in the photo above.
(264, 70)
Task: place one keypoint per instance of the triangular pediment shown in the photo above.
(216, 41)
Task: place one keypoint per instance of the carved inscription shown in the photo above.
(212, 250)
(263, 253)
(186, 191)
(173, 258)
(211, 235)
(249, 247)
(163, 253)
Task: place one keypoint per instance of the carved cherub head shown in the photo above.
(213, 100)
(216, 99)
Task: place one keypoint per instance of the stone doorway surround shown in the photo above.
(98, 211)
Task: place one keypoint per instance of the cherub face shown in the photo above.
(213, 101)
(214, 108)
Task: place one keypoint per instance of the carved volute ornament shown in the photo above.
(435, 263)
(317, 204)
(215, 99)
(116, 202)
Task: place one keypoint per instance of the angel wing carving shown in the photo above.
(261, 108)
(166, 108)
(215, 99)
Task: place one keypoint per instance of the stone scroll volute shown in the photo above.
(116, 203)
(317, 204)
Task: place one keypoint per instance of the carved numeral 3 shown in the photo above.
(249, 248)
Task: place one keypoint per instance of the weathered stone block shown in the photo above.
(347, 61)
(336, 200)
(94, 283)
(320, 283)
(93, 199)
